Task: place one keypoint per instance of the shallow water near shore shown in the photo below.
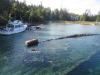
(56, 57)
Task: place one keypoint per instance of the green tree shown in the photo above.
(5, 6)
(98, 17)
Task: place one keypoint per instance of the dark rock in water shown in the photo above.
(37, 27)
(35, 49)
(33, 42)
(34, 28)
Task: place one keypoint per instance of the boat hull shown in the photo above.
(17, 30)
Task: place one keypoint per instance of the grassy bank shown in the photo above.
(80, 22)
(68, 22)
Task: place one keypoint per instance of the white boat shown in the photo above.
(13, 27)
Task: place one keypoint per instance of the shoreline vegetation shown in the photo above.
(79, 22)
(65, 22)
(35, 14)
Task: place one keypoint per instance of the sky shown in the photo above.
(74, 6)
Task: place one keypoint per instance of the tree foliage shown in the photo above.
(11, 9)
(98, 17)
(87, 16)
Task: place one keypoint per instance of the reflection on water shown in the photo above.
(55, 57)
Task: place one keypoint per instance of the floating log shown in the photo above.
(72, 36)
(32, 42)
(35, 42)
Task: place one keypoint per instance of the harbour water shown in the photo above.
(57, 57)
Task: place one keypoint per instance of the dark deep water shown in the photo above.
(55, 57)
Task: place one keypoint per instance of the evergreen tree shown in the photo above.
(98, 17)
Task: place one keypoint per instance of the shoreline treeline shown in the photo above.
(11, 9)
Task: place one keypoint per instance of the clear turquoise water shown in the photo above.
(90, 67)
(55, 57)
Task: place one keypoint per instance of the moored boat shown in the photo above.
(13, 27)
